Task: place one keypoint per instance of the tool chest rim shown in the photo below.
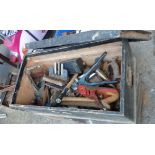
(79, 46)
(89, 36)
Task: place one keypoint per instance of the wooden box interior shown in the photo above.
(25, 93)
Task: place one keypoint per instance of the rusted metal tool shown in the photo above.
(8, 88)
(53, 81)
(113, 69)
(103, 76)
(38, 88)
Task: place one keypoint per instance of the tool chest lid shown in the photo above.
(103, 36)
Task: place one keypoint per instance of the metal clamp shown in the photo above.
(84, 79)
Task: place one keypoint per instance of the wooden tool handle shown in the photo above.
(71, 81)
(79, 101)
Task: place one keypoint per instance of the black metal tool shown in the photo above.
(74, 66)
(84, 78)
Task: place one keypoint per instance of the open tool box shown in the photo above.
(87, 77)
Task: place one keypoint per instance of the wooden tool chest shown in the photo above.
(89, 47)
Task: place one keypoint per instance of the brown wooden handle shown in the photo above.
(71, 81)
(79, 101)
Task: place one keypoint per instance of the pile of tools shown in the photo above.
(74, 83)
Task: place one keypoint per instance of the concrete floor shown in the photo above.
(144, 53)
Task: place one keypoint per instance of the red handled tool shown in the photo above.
(109, 95)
